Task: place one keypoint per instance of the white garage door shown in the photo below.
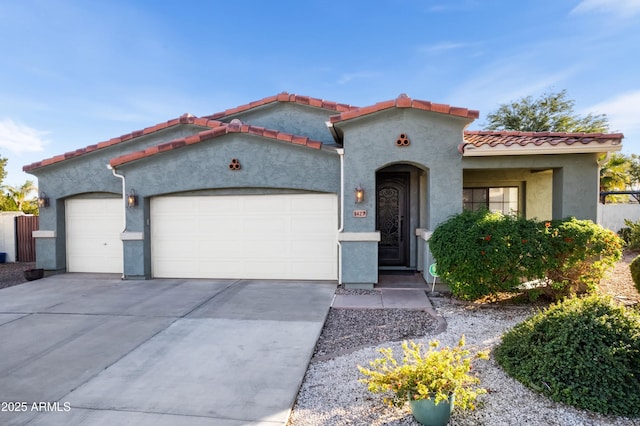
(261, 236)
(93, 235)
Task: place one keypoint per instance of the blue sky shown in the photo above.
(77, 72)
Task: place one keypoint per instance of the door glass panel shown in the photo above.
(389, 212)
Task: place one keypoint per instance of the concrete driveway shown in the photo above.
(81, 349)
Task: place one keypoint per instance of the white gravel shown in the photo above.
(332, 395)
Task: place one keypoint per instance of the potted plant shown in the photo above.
(431, 381)
(33, 274)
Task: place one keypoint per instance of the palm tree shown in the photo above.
(614, 174)
(20, 193)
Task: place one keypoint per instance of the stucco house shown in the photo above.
(294, 187)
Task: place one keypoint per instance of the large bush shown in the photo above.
(631, 234)
(635, 272)
(481, 253)
(583, 352)
(581, 253)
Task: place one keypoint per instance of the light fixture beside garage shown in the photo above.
(359, 194)
(43, 200)
(132, 199)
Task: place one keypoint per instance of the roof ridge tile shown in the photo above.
(213, 133)
(404, 101)
(183, 119)
(284, 97)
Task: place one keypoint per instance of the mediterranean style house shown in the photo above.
(294, 187)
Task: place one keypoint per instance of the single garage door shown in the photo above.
(258, 236)
(93, 235)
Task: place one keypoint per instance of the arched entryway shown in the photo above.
(400, 210)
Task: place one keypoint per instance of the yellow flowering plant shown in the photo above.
(436, 373)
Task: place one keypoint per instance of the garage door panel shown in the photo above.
(224, 226)
(265, 228)
(165, 266)
(265, 205)
(270, 236)
(267, 249)
(321, 225)
(220, 205)
(312, 268)
(179, 248)
(210, 250)
(93, 228)
(321, 250)
(312, 203)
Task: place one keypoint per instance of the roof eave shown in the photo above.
(469, 150)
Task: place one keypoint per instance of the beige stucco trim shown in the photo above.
(359, 236)
(43, 234)
(131, 236)
(546, 148)
(423, 234)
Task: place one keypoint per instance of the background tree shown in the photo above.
(634, 171)
(3, 172)
(551, 112)
(614, 174)
(5, 202)
(20, 194)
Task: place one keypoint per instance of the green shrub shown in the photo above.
(635, 272)
(481, 253)
(581, 253)
(583, 352)
(631, 234)
(625, 234)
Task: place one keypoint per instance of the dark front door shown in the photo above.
(392, 220)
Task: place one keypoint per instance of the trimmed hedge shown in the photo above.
(583, 352)
(481, 253)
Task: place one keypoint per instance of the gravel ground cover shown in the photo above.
(13, 273)
(331, 394)
(368, 327)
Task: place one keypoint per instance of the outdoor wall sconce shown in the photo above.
(359, 194)
(132, 199)
(43, 200)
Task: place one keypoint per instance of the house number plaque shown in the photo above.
(359, 213)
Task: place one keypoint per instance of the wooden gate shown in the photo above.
(25, 243)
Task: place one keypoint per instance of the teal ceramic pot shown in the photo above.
(428, 413)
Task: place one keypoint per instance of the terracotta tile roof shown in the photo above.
(183, 119)
(403, 101)
(235, 126)
(490, 139)
(284, 97)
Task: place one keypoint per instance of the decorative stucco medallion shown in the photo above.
(234, 164)
(403, 140)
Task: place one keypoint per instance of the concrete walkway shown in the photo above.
(385, 298)
(79, 349)
(393, 291)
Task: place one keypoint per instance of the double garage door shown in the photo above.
(259, 236)
(262, 236)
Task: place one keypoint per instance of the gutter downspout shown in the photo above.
(124, 203)
(341, 228)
